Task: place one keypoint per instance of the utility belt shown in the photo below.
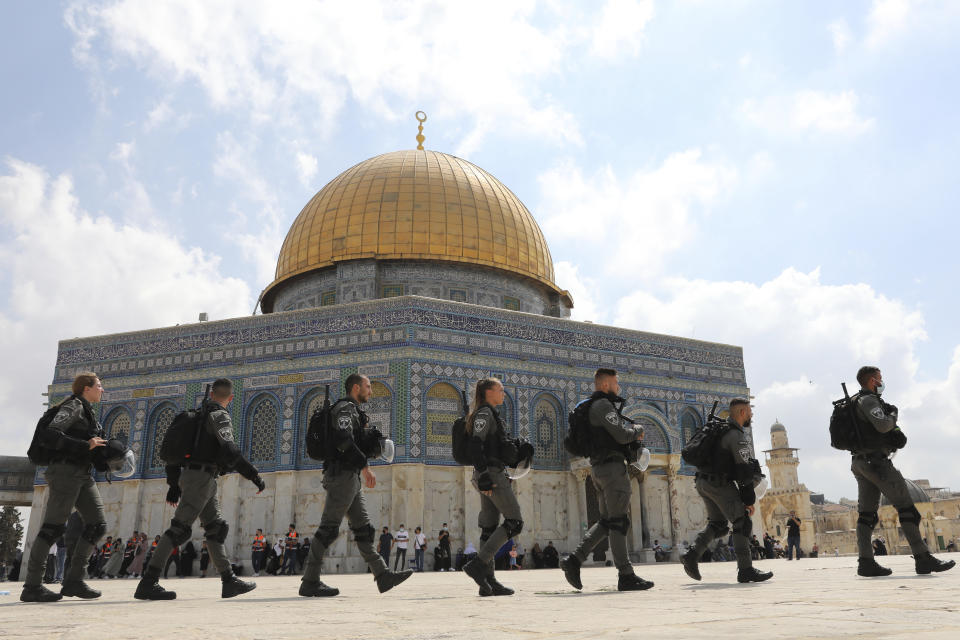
(69, 460)
(202, 466)
(336, 467)
(713, 477)
(609, 458)
(871, 456)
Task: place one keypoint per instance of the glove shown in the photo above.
(747, 494)
(890, 408)
(261, 485)
(898, 438)
(173, 495)
(484, 481)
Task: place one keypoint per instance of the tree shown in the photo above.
(11, 533)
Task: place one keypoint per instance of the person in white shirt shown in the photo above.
(419, 545)
(401, 537)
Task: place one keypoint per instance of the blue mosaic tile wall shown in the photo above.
(423, 353)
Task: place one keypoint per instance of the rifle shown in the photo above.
(853, 416)
(201, 421)
(712, 417)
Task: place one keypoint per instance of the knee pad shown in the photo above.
(718, 528)
(178, 532)
(364, 533)
(620, 523)
(485, 533)
(93, 532)
(909, 514)
(512, 527)
(868, 519)
(51, 532)
(216, 531)
(326, 535)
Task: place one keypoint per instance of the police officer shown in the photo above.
(611, 437)
(487, 437)
(193, 490)
(341, 480)
(71, 436)
(726, 486)
(875, 474)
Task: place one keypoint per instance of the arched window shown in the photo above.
(443, 406)
(159, 422)
(689, 423)
(545, 432)
(654, 437)
(380, 408)
(118, 425)
(262, 422)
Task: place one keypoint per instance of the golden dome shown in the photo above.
(415, 205)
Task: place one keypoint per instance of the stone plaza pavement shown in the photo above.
(821, 598)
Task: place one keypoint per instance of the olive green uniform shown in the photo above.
(69, 485)
(341, 481)
(612, 483)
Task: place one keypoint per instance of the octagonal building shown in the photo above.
(425, 273)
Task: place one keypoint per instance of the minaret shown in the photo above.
(782, 460)
(786, 493)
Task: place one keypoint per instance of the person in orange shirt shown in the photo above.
(259, 550)
(290, 552)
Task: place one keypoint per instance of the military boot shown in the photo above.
(317, 589)
(868, 568)
(751, 574)
(38, 593)
(79, 589)
(149, 587)
(925, 563)
(497, 588)
(478, 571)
(234, 586)
(571, 571)
(632, 582)
(690, 563)
(389, 579)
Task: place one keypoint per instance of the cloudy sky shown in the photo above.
(777, 175)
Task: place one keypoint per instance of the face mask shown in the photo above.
(748, 422)
(880, 388)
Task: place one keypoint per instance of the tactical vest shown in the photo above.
(83, 429)
(722, 459)
(602, 444)
(871, 440)
(208, 447)
(492, 446)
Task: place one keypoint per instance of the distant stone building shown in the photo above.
(832, 525)
(425, 273)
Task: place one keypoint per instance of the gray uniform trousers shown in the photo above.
(344, 498)
(502, 501)
(612, 484)
(723, 503)
(874, 476)
(68, 486)
(198, 499)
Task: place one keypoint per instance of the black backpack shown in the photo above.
(700, 450)
(183, 435)
(844, 428)
(318, 431)
(38, 453)
(578, 440)
(460, 441)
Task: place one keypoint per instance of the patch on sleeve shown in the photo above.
(479, 425)
(344, 421)
(62, 416)
(612, 418)
(744, 453)
(877, 412)
(226, 433)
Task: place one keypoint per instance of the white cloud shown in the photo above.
(277, 60)
(840, 32)
(306, 168)
(801, 339)
(887, 19)
(158, 115)
(236, 163)
(809, 111)
(637, 220)
(582, 289)
(619, 29)
(70, 273)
